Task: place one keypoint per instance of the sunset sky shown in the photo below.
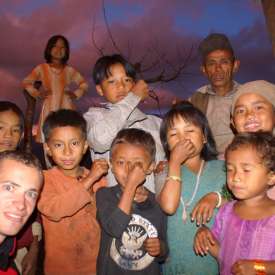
(142, 29)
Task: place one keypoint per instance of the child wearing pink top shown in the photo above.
(242, 238)
(252, 111)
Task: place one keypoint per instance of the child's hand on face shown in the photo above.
(136, 175)
(141, 89)
(182, 151)
(203, 240)
(99, 168)
(243, 267)
(152, 246)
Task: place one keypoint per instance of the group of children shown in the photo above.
(107, 220)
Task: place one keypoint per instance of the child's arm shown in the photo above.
(98, 169)
(28, 82)
(140, 89)
(57, 204)
(158, 247)
(80, 81)
(115, 216)
(154, 247)
(245, 267)
(104, 123)
(29, 262)
(169, 196)
(204, 209)
(135, 177)
(112, 220)
(205, 242)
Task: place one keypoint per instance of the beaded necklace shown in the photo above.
(187, 204)
(56, 71)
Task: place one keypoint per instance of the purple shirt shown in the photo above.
(242, 239)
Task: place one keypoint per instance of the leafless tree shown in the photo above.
(161, 69)
(154, 66)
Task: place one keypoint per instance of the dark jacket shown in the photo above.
(7, 250)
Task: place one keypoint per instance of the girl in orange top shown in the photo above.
(57, 78)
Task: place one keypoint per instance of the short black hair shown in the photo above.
(51, 43)
(263, 143)
(10, 106)
(190, 113)
(136, 136)
(23, 157)
(213, 42)
(103, 65)
(63, 118)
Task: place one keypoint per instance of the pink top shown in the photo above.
(242, 239)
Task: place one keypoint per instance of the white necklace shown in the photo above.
(187, 204)
(56, 71)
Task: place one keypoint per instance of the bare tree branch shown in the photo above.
(100, 50)
(109, 29)
(161, 68)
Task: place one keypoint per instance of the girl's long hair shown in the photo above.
(188, 112)
(51, 43)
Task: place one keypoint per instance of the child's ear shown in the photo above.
(47, 149)
(202, 69)
(271, 180)
(86, 146)
(232, 124)
(151, 168)
(236, 65)
(22, 135)
(21, 138)
(110, 165)
(99, 90)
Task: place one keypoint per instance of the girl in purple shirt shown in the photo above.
(242, 238)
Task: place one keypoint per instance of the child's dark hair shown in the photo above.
(9, 106)
(63, 118)
(25, 158)
(188, 112)
(263, 143)
(51, 43)
(136, 136)
(103, 65)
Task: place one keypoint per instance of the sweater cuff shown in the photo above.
(121, 220)
(131, 99)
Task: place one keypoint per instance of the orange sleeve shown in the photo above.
(99, 184)
(55, 203)
(77, 78)
(28, 82)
